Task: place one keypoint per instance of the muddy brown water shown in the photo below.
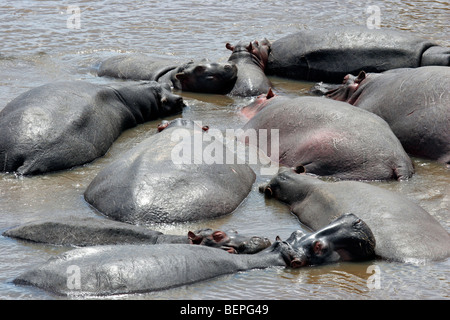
(41, 42)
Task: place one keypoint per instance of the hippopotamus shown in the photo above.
(251, 60)
(124, 269)
(230, 241)
(329, 138)
(331, 53)
(202, 76)
(88, 231)
(65, 124)
(414, 102)
(403, 230)
(152, 183)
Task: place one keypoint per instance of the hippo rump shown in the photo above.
(161, 180)
(414, 102)
(329, 54)
(403, 230)
(329, 138)
(124, 269)
(65, 124)
(251, 60)
(191, 76)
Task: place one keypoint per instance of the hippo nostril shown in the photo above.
(268, 192)
(297, 263)
(300, 169)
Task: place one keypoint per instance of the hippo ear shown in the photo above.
(270, 94)
(249, 47)
(181, 76)
(361, 76)
(229, 46)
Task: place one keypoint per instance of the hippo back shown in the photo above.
(329, 54)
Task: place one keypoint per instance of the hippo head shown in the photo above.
(258, 51)
(288, 184)
(347, 91)
(215, 78)
(170, 103)
(257, 105)
(179, 123)
(347, 238)
(229, 241)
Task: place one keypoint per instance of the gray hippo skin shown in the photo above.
(146, 185)
(121, 269)
(82, 232)
(347, 238)
(205, 77)
(329, 54)
(403, 230)
(414, 102)
(65, 124)
(329, 138)
(251, 60)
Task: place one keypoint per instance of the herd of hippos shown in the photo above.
(380, 96)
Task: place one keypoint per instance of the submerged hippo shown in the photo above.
(83, 232)
(414, 102)
(191, 76)
(164, 180)
(329, 54)
(329, 138)
(230, 241)
(65, 124)
(403, 230)
(122, 269)
(251, 60)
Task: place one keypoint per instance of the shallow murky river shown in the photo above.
(43, 41)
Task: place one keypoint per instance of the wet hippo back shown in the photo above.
(332, 138)
(416, 105)
(151, 184)
(63, 124)
(329, 54)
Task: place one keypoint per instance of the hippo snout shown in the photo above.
(266, 189)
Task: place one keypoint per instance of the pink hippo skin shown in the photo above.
(329, 138)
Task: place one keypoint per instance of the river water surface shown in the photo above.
(43, 41)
